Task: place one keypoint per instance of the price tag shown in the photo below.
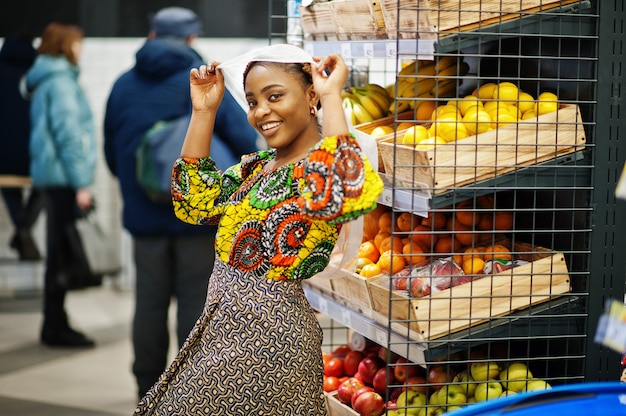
(390, 50)
(323, 305)
(368, 50)
(346, 318)
(381, 337)
(346, 50)
(386, 197)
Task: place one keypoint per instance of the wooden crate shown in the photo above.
(543, 278)
(336, 407)
(378, 19)
(424, 18)
(343, 20)
(486, 155)
(353, 289)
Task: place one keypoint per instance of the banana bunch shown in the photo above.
(366, 103)
(427, 80)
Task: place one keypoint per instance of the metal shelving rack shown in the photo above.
(566, 204)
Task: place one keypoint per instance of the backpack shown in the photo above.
(158, 150)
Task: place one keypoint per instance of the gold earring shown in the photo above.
(314, 111)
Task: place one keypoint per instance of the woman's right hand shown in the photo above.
(207, 87)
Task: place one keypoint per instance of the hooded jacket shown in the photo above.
(62, 141)
(157, 88)
(16, 57)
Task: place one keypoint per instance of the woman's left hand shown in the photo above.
(329, 75)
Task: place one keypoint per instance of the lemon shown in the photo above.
(414, 134)
(485, 91)
(506, 92)
(529, 114)
(451, 130)
(429, 143)
(503, 119)
(468, 102)
(381, 131)
(490, 106)
(526, 102)
(547, 102)
(477, 122)
(444, 110)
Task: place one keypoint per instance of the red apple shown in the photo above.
(440, 374)
(368, 368)
(417, 383)
(334, 367)
(369, 404)
(387, 355)
(341, 351)
(400, 283)
(380, 381)
(360, 391)
(420, 287)
(404, 369)
(347, 389)
(351, 362)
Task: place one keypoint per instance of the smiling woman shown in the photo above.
(279, 212)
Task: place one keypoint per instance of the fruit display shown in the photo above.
(412, 389)
(490, 106)
(424, 80)
(363, 104)
(450, 246)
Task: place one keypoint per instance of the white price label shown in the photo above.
(390, 50)
(346, 318)
(386, 197)
(368, 50)
(381, 337)
(346, 50)
(323, 306)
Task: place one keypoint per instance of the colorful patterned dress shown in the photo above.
(256, 349)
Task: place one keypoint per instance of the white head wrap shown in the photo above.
(351, 234)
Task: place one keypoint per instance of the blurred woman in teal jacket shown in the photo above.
(63, 161)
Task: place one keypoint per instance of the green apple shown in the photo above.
(515, 376)
(392, 413)
(434, 398)
(465, 379)
(409, 402)
(537, 384)
(506, 393)
(488, 390)
(453, 408)
(431, 411)
(483, 371)
(452, 394)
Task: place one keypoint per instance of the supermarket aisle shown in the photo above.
(37, 380)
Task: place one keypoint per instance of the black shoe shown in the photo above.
(66, 337)
(24, 244)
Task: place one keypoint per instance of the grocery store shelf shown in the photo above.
(411, 350)
(369, 49)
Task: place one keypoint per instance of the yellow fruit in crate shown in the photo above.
(424, 110)
(547, 102)
(506, 92)
(526, 102)
(414, 134)
(430, 143)
(451, 130)
(444, 110)
(494, 105)
(360, 263)
(485, 91)
(370, 270)
(477, 121)
(529, 114)
(404, 125)
(465, 103)
(502, 119)
(381, 131)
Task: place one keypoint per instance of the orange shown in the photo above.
(370, 227)
(447, 244)
(393, 242)
(424, 237)
(435, 220)
(370, 270)
(405, 222)
(503, 221)
(379, 237)
(424, 111)
(497, 251)
(476, 252)
(385, 222)
(414, 254)
(391, 262)
(466, 217)
(368, 250)
(473, 266)
(485, 222)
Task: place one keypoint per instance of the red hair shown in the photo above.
(57, 39)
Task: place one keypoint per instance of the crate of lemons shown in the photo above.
(490, 106)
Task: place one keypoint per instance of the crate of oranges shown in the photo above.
(497, 129)
(456, 268)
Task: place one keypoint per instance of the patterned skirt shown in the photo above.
(256, 350)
